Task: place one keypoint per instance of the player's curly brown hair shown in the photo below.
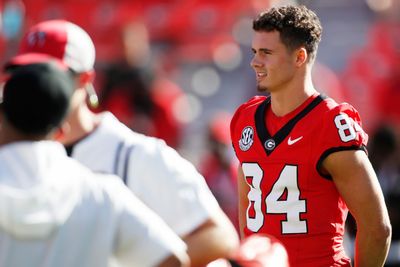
(298, 26)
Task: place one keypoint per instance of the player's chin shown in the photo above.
(262, 89)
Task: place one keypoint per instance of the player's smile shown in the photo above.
(260, 75)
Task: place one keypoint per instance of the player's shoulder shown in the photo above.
(138, 148)
(341, 116)
(248, 106)
(331, 109)
(148, 143)
(331, 105)
(91, 184)
(251, 103)
(84, 175)
(112, 129)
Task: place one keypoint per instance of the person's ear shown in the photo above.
(61, 131)
(301, 56)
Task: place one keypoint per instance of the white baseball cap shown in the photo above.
(60, 39)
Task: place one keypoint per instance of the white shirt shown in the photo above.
(56, 212)
(156, 173)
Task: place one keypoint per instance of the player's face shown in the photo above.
(273, 64)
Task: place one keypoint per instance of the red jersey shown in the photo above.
(281, 159)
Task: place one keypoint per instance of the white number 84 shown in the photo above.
(293, 206)
(347, 131)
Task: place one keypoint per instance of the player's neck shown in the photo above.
(9, 134)
(291, 96)
(81, 123)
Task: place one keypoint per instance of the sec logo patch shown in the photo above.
(246, 139)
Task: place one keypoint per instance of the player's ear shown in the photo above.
(61, 131)
(301, 56)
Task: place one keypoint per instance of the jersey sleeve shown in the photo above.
(171, 186)
(142, 238)
(341, 130)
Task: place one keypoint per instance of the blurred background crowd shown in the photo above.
(177, 69)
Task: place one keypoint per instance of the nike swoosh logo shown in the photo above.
(291, 142)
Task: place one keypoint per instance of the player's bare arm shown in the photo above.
(243, 190)
(358, 185)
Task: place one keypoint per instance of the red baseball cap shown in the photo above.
(59, 39)
(33, 58)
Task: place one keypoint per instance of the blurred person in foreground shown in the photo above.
(219, 165)
(156, 173)
(303, 161)
(53, 210)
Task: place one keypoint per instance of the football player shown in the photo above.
(303, 162)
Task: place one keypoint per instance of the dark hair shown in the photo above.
(298, 26)
(36, 98)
